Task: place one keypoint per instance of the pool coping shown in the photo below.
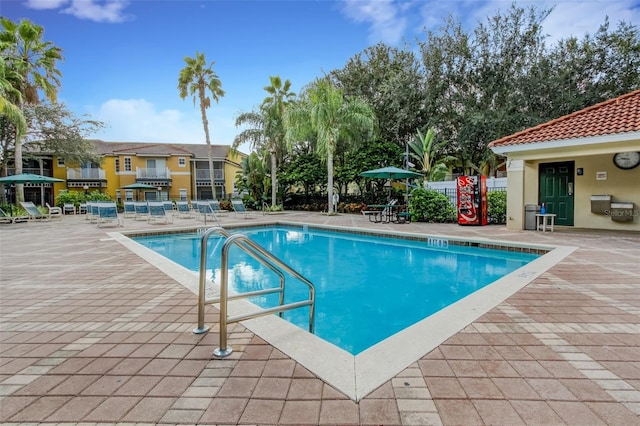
(357, 376)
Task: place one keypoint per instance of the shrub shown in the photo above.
(431, 206)
(497, 207)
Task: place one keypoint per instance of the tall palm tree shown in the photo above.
(194, 80)
(331, 117)
(9, 108)
(275, 105)
(34, 61)
(266, 126)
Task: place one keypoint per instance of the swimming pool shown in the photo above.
(368, 287)
(358, 375)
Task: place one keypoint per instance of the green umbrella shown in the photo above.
(137, 186)
(390, 173)
(27, 178)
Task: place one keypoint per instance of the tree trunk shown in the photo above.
(205, 124)
(18, 166)
(274, 181)
(330, 183)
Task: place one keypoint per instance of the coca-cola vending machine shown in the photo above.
(472, 200)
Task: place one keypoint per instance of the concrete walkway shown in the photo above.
(92, 333)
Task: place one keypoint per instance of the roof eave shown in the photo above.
(567, 143)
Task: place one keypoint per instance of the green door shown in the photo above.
(556, 190)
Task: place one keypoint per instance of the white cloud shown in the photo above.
(45, 4)
(111, 11)
(138, 120)
(384, 15)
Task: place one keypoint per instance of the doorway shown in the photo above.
(556, 190)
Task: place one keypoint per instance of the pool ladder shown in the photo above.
(264, 257)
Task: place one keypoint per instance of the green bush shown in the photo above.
(497, 207)
(431, 206)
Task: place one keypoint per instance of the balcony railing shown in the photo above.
(74, 174)
(34, 170)
(202, 174)
(152, 173)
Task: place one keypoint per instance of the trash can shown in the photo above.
(530, 212)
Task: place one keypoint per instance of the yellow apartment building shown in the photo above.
(171, 172)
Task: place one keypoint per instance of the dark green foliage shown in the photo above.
(497, 207)
(428, 205)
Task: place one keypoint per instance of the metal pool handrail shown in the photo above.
(264, 257)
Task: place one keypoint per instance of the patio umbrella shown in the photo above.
(138, 186)
(27, 178)
(390, 173)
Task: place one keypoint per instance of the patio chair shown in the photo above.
(11, 219)
(69, 208)
(54, 212)
(142, 210)
(94, 211)
(215, 206)
(205, 210)
(168, 207)
(240, 209)
(183, 209)
(33, 212)
(129, 209)
(108, 214)
(158, 213)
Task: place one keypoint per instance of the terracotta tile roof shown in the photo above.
(151, 148)
(615, 116)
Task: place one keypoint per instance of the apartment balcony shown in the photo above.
(87, 174)
(153, 173)
(86, 178)
(204, 174)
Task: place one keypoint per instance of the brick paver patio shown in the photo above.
(92, 333)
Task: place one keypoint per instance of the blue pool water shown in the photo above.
(367, 288)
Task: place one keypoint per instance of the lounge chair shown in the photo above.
(69, 208)
(168, 207)
(11, 219)
(54, 212)
(33, 212)
(204, 210)
(108, 213)
(129, 209)
(239, 208)
(215, 206)
(183, 209)
(142, 210)
(158, 213)
(94, 211)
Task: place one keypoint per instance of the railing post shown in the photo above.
(223, 350)
(201, 283)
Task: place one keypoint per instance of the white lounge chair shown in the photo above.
(240, 209)
(33, 212)
(142, 210)
(11, 219)
(69, 208)
(158, 213)
(108, 214)
(215, 206)
(54, 212)
(129, 209)
(183, 209)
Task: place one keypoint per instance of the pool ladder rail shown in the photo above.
(263, 256)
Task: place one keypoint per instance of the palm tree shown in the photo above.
(8, 93)
(266, 126)
(34, 61)
(331, 117)
(423, 151)
(194, 80)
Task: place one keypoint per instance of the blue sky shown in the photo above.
(122, 58)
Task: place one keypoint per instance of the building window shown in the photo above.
(60, 162)
(182, 162)
(127, 164)
(117, 165)
(183, 195)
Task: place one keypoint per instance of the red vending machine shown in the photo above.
(472, 200)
